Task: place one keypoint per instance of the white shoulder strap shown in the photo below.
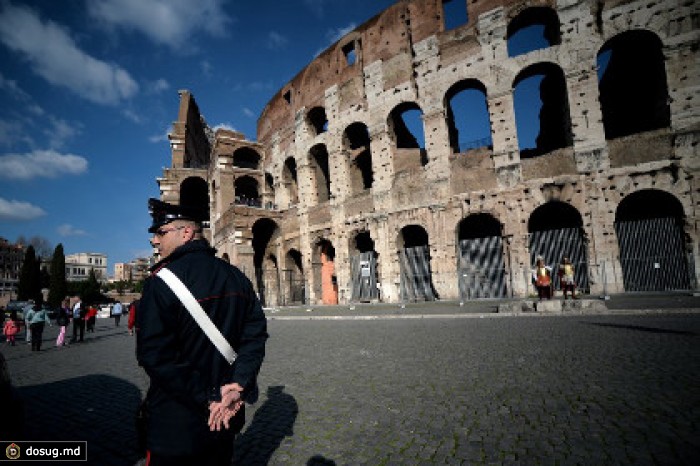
(198, 314)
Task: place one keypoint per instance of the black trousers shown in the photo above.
(221, 455)
(37, 332)
(78, 325)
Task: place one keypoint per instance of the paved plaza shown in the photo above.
(420, 384)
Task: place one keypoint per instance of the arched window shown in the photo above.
(317, 120)
(480, 261)
(632, 83)
(540, 95)
(245, 157)
(534, 28)
(318, 160)
(357, 144)
(468, 120)
(289, 179)
(247, 193)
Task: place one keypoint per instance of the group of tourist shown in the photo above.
(82, 316)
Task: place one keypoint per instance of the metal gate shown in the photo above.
(652, 255)
(481, 268)
(554, 245)
(295, 288)
(416, 282)
(268, 286)
(363, 269)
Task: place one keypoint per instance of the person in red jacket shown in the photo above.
(133, 307)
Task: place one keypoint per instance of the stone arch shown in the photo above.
(324, 272)
(480, 259)
(267, 280)
(364, 270)
(320, 172)
(467, 115)
(532, 29)
(414, 260)
(356, 142)
(649, 226)
(317, 120)
(246, 157)
(555, 231)
(293, 273)
(290, 181)
(633, 85)
(554, 115)
(247, 191)
(405, 131)
(194, 192)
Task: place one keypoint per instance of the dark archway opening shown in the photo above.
(480, 264)
(265, 262)
(318, 158)
(540, 95)
(245, 157)
(414, 260)
(357, 142)
(632, 83)
(317, 120)
(246, 191)
(653, 255)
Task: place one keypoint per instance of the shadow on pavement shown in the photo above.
(98, 408)
(644, 329)
(273, 421)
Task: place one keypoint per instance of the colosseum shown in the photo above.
(343, 198)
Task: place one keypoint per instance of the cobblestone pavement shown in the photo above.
(617, 388)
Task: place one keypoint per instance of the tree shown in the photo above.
(58, 289)
(29, 286)
(91, 289)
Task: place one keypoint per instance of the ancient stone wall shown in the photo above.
(418, 197)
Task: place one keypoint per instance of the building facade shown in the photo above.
(11, 258)
(78, 266)
(340, 200)
(133, 271)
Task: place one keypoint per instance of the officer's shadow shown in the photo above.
(273, 421)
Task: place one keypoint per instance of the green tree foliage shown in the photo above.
(29, 286)
(91, 289)
(58, 288)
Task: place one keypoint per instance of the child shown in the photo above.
(10, 329)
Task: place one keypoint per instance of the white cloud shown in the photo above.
(160, 85)
(61, 131)
(54, 55)
(276, 40)
(70, 230)
(17, 210)
(206, 68)
(41, 163)
(248, 112)
(316, 7)
(227, 126)
(167, 22)
(163, 137)
(11, 132)
(11, 87)
(133, 116)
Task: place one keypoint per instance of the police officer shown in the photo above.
(195, 399)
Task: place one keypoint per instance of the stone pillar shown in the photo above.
(506, 156)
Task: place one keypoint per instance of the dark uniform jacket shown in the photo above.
(185, 368)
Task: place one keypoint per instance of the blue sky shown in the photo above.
(88, 93)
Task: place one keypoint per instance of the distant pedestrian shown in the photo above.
(11, 328)
(90, 318)
(117, 313)
(133, 308)
(78, 321)
(542, 277)
(25, 311)
(37, 318)
(63, 319)
(566, 277)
